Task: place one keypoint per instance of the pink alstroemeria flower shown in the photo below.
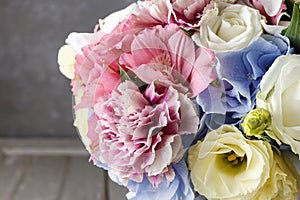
(169, 56)
(140, 132)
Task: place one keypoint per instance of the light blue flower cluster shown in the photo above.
(178, 189)
(239, 73)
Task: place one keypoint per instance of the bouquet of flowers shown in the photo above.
(192, 99)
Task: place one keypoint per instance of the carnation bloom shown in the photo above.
(184, 13)
(146, 138)
(140, 132)
(226, 165)
(188, 13)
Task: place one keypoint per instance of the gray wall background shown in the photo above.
(35, 99)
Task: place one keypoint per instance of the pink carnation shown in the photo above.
(139, 132)
(184, 13)
(188, 13)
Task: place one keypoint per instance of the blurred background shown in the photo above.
(35, 99)
(37, 139)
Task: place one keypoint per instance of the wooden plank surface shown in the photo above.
(83, 181)
(51, 178)
(42, 147)
(41, 169)
(42, 180)
(11, 172)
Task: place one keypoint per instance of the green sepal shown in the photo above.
(130, 76)
(123, 75)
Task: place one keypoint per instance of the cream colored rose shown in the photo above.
(228, 27)
(281, 184)
(67, 53)
(226, 165)
(280, 95)
(66, 61)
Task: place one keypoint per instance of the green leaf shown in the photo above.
(293, 30)
(123, 75)
(130, 76)
(186, 32)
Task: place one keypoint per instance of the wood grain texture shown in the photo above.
(12, 170)
(51, 176)
(83, 181)
(42, 180)
(42, 147)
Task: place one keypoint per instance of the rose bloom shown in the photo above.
(280, 95)
(228, 27)
(66, 61)
(140, 132)
(226, 165)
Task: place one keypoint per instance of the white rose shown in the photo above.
(66, 61)
(67, 53)
(79, 40)
(226, 165)
(280, 95)
(228, 27)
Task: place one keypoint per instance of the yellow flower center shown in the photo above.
(234, 159)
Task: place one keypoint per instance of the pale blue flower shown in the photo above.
(178, 189)
(239, 73)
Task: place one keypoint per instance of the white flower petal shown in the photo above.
(111, 21)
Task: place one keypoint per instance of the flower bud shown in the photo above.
(256, 122)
